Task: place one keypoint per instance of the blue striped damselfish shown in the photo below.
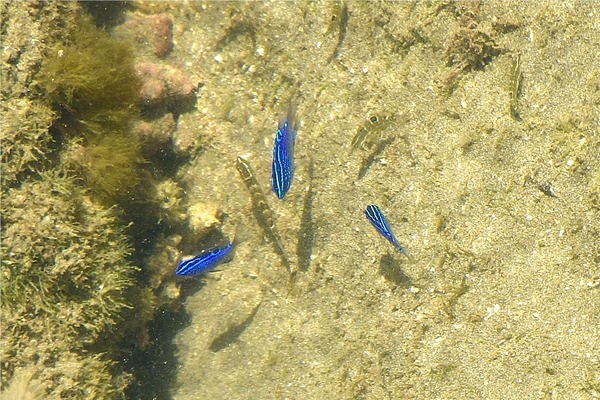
(378, 220)
(205, 261)
(282, 171)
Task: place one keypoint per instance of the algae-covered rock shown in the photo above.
(67, 278)
(66, 282)
(73, 303)
(28, 28)
(25, 137)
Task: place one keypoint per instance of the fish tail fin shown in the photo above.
(411, 259)
(290, 116)
(240, 235)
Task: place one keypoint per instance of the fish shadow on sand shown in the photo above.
(390, 268)
(233, 332)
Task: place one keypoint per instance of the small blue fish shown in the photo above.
(282, 170)
(377, 219)
(207, 260)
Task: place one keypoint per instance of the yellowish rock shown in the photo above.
(203, 218)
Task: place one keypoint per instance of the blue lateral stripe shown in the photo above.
(378, 220)
(195, 264)
(205, 261)
(283, 158)
(376, 217)
(278, 164)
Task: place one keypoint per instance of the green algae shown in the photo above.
(26, 34)
(91, 82)
(93, 79)
(108, 163)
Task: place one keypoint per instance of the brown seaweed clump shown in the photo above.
(470, 47)
(108, 164)
(92, 80)
(91, 83)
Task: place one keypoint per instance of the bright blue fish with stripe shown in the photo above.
(282, 171)
(207, 260)
(378, 220)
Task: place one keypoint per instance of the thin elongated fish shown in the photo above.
(262, 211)
(378, 220)
(282, 171)
(207, 260)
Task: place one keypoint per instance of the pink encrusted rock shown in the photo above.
(155, 134)
(153, 31)
(178, 82)
(162, 82)
(186, 137)
(154, 87)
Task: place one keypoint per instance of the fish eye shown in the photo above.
(374, 119)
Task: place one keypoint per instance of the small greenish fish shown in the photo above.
(365, 136)
(340, 18)
(370, 159)
(516, 76)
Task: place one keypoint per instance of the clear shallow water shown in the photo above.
(500, 214)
